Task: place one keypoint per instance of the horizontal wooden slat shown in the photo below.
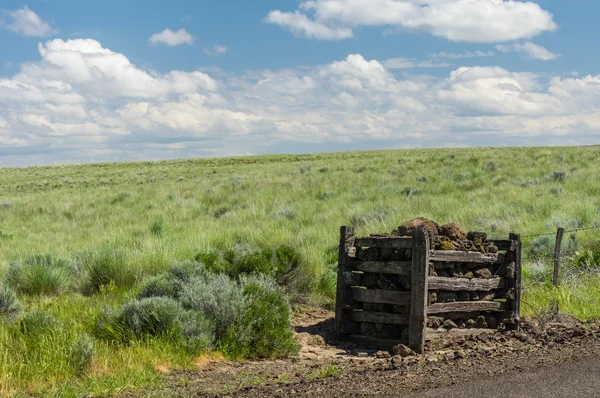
(465, 306)
(379, 317)
(465, 257)
(381, 296)
(463, 284)
(394, 243)
(367, 342)
(382, 267)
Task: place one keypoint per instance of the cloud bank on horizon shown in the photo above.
(80, 101)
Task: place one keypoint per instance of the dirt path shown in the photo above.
(325, 369)
(564, 380)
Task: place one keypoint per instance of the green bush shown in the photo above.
(157, 227)
(103, 267)
(81, 354)
(40, 275)
(184, 271)
(38, 322)
(197, 331)
(163, 285)
(263, 330)
(218, 297)
(10, 306)
(151, 316)
(245, 259)
(586, 259)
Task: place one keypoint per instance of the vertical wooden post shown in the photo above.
(343, 291)
(515, 256)
(418, 306)
(559, 236)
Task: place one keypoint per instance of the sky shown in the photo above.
(139, 80)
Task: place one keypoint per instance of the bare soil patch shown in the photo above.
(327, 368)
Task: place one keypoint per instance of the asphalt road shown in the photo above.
(570, 380)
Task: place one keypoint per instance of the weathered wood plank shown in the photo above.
(374, 342)
(386, 242)
(379, 317)
(343, 294)
(465, 306)
(377, 296)
(463, 284)
(465, 257)
(419, 297)
(515, 304)
(382, 267)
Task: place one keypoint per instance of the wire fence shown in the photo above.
(558, 264)
(565, 231)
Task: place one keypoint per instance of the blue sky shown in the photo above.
(130, 80)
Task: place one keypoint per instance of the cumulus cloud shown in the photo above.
(532, 50)
(25, 22)
(301, 25)
(83, 102)
(170, 38)
(216, 50)
(484, 21)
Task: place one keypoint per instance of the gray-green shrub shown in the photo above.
(38, 322)
(198, 331)
(218, 297)
(104, 266)
(40, 275)
(10, 305)
(162, 285)
(81, 354)
(263, 329)
(152, 316)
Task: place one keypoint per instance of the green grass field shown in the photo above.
(142, 217)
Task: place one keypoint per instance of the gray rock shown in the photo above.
(382, 354)
(449, 324)
(402, 350)
(480, 322)
(483, 273)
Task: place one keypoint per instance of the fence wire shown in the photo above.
(566, 231)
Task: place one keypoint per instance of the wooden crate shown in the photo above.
(387, 285)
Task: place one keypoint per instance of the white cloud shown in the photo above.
(532, 50)
(25, 22)
(301, 25)
(170, 38)
(466, 54)
(484, 21)
(83, 102)
(408, 63)
(216, 50)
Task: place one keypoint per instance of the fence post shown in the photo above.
(343, 291)
(515, 256)
(559, 236)
(418, 305)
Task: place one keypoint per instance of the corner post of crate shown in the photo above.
(418, 307)
(343, 292)
(515, 256)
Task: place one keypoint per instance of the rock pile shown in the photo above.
(448, 236)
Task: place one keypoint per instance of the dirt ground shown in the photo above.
(324, 368)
